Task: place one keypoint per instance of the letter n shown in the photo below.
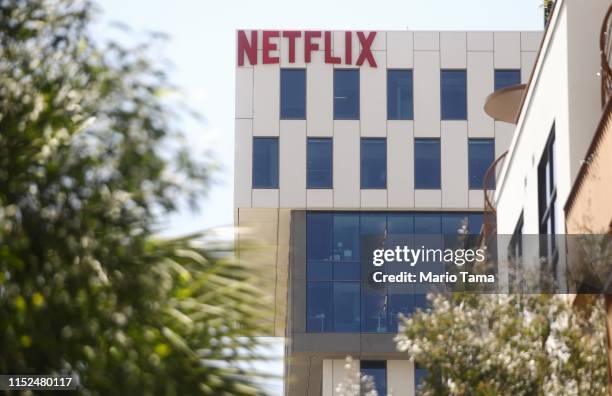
(245, 48)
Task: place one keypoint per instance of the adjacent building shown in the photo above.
(340, 134)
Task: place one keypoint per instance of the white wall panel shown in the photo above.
(374, 199)
(453, 50)
(507, 50)
(479, 85)
(244, 92)
(530, 41)
(428, 199)
(400, 164)
(400, 377)
(527, 62)
(319, 198)
(426, 41)
(454, 156)
(265, 198)
(426, 78)
(292, 164)
(480, 41)
(372, 97)
(243, 163)
(266, 100)
(319, 97)
(400, 49)
(346, 164)
(327, 388)
(476, 199)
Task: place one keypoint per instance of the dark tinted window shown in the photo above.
(319, 163)
(377, 370)
(427, 163)
(319, 226)
(373, 163)
(293, 94)
(453, 94)
(399, 94)
(346, 94)
(319, 307)
(347, 313)
(265, 162)
(507, 78)
(419, 376)
(481, 154)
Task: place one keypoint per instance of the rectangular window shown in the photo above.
(347, 312)
(399, 95)
(319, 307)
(481, 154)
(427, 163)
(547, 202)
(346, 94)
(319, 163)
(377, 371)
(293, 94)
(265, 162)
(507, 78)
(453, 94)
(373, 163)
(419, 375)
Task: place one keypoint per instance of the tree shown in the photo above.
(85, 286)
(507, 345)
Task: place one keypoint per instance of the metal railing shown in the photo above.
(489, 226)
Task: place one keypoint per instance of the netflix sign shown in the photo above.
(314, 40)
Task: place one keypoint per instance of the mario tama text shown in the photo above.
(433, 261)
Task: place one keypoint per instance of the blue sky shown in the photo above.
(202, 52)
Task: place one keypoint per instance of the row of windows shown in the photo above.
(400, 95)
(336, 300)
(373, 163)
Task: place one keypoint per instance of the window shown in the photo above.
(481, 154)
(373, 163)
(346, 94)
(319, 163)
(427, 163)
(336, 301)
(507, 78)
(293, 94)
(399, 95)
(547, 199)
(453, 94)
(515, 254)
(377, 371)
(419, 375)
(265, 162)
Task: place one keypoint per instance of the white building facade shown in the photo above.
(339, 131)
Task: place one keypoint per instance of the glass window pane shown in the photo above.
(293, 94)
(346, 237)
(319, 163)
(475, 223)
(399, 95)
(373, 224)
(507, 78)
(319, 270)
(481, 154)
(346, 94)
(452, 224)
(427, 163)
(374, 307)
(347, 270)
(427, 224)
(377, 370)
(453, 94)
(399, 304)
(265, 162)
(319, 237)
(346, 307)
(419, 375)
(319, 307)
(400, 224)
(373, 163)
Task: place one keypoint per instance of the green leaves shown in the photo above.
(88, 160)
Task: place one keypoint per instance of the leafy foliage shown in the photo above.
(507, 345)
(85, 287)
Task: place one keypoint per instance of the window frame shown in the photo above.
(290, 69)
(411, 115)
(276, 185)
(331, 159)
(358, 96)
(416, 187)
(361, 163)
(492, 142)
(464, 116)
